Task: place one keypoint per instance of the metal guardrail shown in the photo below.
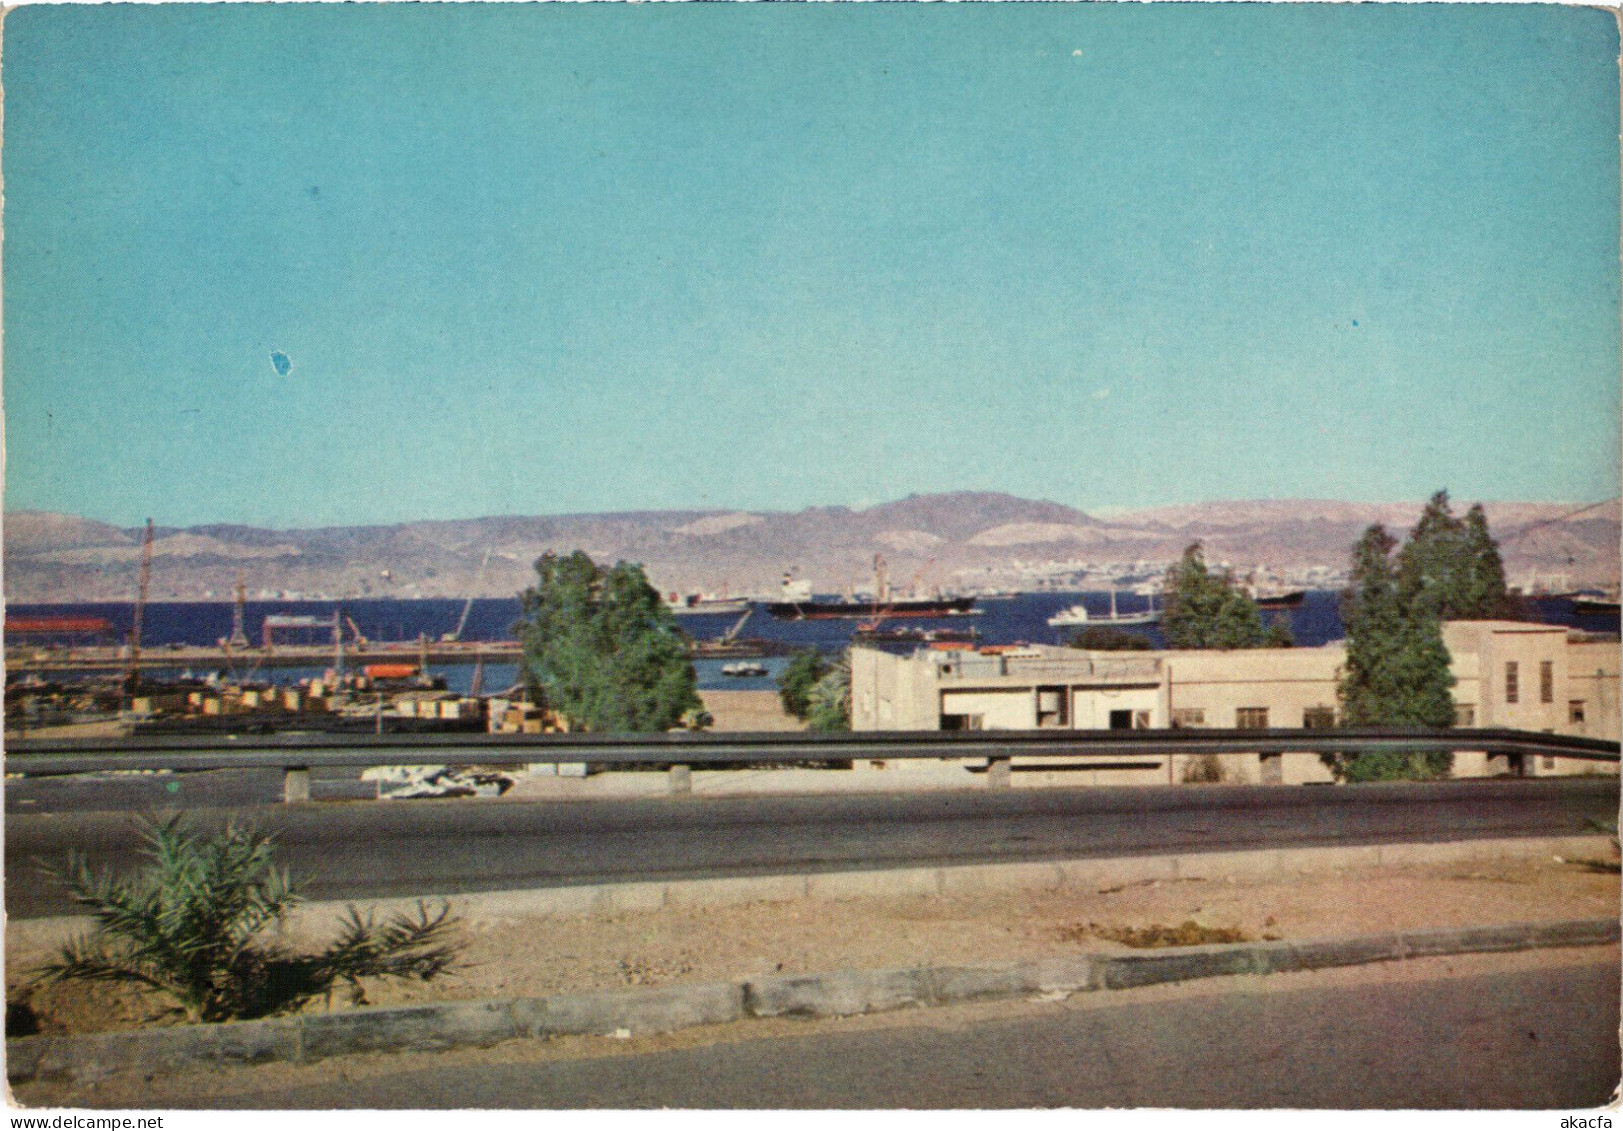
(302, 751)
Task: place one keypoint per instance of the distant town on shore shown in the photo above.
(962, 542)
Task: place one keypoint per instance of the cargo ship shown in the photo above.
(797, 603)
(1277, 599)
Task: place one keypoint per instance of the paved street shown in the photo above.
(376, 850)
(1528, 1037)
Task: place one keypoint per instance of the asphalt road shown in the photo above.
(404, 848)
(1539, 1038)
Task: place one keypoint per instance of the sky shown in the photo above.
(308, 265)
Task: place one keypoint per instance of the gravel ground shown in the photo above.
(540, 956)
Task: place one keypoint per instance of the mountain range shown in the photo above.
(956, 539)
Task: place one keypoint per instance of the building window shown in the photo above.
(1546, 681)
(1319, 718)
(1141, 720)
(1189, 717)
(1512, 682)
(1251, 718)
(1051, 707)
(1465, 714)
(1575, 712)
(962, 722)
(1549, 761)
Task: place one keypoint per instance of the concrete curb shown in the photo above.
(314, 1037)
(965, 879)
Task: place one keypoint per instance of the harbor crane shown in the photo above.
(462, 622)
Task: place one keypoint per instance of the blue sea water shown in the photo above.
(1022, 619)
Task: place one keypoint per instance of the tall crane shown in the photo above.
(239, 615)
(453, 637)
(133, 675)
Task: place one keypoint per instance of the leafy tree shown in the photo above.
(1279, 635)
(798, 679)
(1108, 638)
(1397, 667)
(602, 649)
(1451, 568)
(829, 701)
(191, 927)
(1207, 610)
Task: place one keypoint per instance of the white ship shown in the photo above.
(1078, 614)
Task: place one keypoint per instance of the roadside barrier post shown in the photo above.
(681, 779)
(997, 773)
(295, 785)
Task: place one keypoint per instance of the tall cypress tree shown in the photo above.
(1397, 666)
(1451, 567)
(1207, 610)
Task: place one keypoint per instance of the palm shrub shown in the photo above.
(192, 925)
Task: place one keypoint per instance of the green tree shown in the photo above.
(829, 701)
(1206, 609)
(601, 648)
(1279, 634)
(197, 926)
(1108, 638)
(798, 679)
(1397, 667)
(1450, 567)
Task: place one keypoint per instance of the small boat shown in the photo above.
(697, 604)
(744, 669)
(1594, 607)
(875, 635)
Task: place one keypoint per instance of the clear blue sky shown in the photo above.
(537, 259)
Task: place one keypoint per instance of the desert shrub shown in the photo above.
(1391, 765)
(1203, 769)
(191, 927)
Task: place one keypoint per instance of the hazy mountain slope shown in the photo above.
(929, 537)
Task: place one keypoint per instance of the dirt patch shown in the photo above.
(535, 957)
(748, 711)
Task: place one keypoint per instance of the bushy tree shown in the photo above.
(829, 701)
(601, 648)
(1206, 609)
(798, 679)
(1397, 666)
(192, 926)
(1108, 638)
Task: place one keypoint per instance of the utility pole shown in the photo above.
(132, 676)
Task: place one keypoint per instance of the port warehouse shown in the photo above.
(1538, 678)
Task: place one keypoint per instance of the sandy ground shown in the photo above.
(540, 956)
(748, 710)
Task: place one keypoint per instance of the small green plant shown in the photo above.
(1203, 769)
(191, 926)
(1189, 933)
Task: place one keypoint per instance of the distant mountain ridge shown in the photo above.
(941, 539)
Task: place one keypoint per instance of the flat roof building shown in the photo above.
(1507, 674)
